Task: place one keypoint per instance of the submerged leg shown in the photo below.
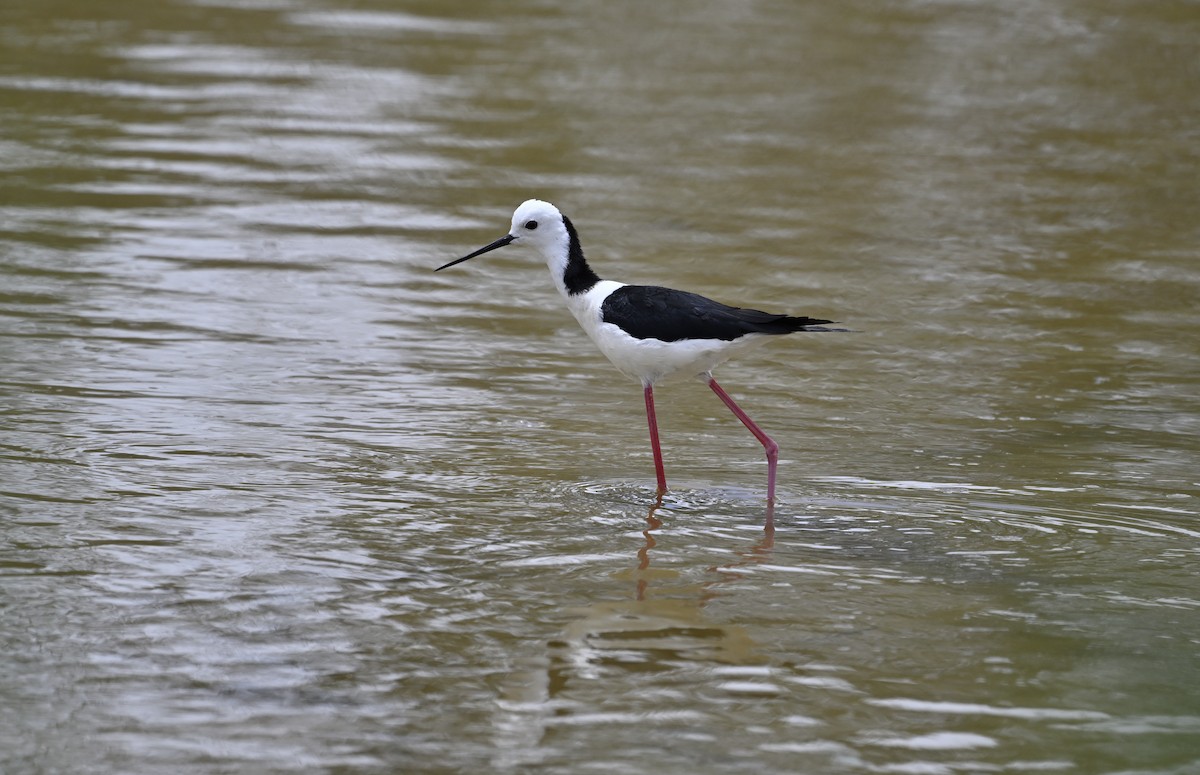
(768, 443)
(658, 460)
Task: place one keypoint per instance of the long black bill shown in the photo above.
(507, 238)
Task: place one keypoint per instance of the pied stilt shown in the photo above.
(649, 333)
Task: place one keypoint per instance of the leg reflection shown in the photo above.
(652, 523)
(758, 552)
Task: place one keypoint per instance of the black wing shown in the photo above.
(653, 312)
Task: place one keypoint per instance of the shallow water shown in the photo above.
(277, 497)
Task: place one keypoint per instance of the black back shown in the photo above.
(653, 312)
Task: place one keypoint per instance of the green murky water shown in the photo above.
(274, 497)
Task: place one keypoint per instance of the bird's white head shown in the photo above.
(537, 224)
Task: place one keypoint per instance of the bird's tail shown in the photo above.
(789, 324)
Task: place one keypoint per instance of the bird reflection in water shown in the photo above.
(658, 629)
(760, 551)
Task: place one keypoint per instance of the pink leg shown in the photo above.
(768, 443)
(658, 460)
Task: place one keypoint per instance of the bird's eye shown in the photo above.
(531, 225)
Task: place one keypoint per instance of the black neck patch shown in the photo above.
(578, 277)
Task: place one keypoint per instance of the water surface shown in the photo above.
(276, 497)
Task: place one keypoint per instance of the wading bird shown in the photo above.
(648, 332)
